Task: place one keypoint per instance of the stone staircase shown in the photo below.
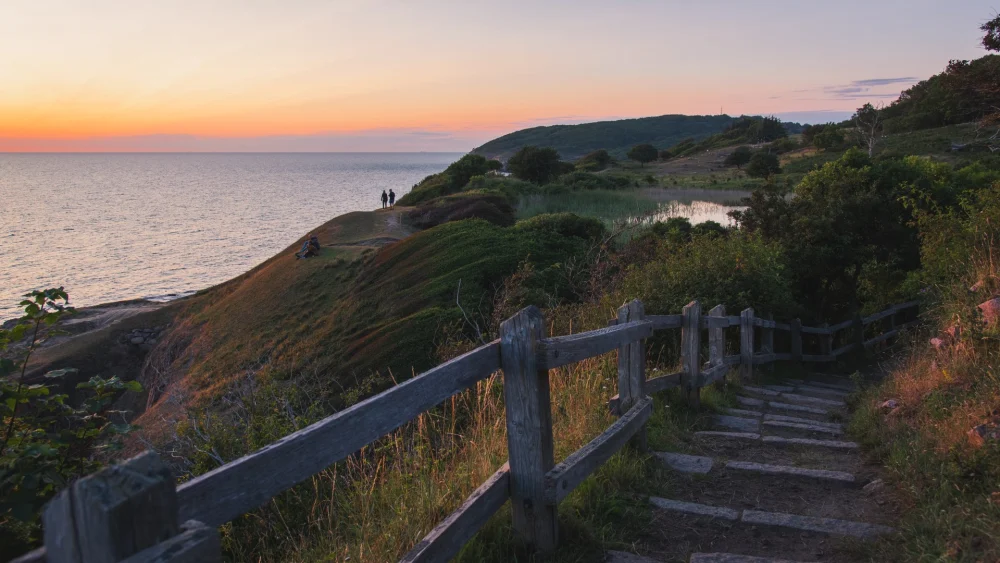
(773, 482)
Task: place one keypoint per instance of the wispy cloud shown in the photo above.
(868, 88)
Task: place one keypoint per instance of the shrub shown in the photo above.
(643, 153)
(564, 224)
(831, 139)
(534, 164)
(740, 156)
(763, 165)
(594, 161)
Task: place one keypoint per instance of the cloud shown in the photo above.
(886, 81)
(866, 89)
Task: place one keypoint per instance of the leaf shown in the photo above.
(56, 373)
(133, 386)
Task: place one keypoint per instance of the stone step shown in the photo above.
(786, 418)
(779, 388)
(833, 444)
(714, 512)
(744, 413)
(850, 388)
(805, 427)
(722, 558)
(686, 463)
(797, 398)
(746, 436)
(796, 408)
(749, 401)
(830, 526)
(839, 477)
(822, 391)
(736, 423)
(624, 557)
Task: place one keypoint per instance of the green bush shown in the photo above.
(594, 161)
(564, 224)
(763, 165)
(739, 157)
(737, 271)
(643, 153)
(535, 164)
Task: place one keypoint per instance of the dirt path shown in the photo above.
(774, 482)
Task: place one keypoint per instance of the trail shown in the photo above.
(774, 482)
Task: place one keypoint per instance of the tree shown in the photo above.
(739, 157)
(991, 41)
(869, 125)
(763, 165)
(643, 153)
(830, 139)
(810, 131)
(594, 161)
(535, 164)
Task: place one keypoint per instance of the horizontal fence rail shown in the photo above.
(178, 523)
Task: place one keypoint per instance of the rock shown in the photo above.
(890, 404)
(151, 341)
(137, 340)
(873, 486)
(991, 311)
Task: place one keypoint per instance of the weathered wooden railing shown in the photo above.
(133, 512)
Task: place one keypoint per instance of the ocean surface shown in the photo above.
(110, 227)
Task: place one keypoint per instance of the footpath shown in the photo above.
(773, 482)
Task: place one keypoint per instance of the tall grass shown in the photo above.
(609, 206)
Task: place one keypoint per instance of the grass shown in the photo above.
(725, 180)
(377, 505)
(608, 206)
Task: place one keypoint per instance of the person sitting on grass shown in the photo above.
(309, 248)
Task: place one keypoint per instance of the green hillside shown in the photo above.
(574, 141)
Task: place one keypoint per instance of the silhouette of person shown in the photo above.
(385, 199)
(392, 197)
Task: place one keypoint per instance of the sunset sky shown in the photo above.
(301, 75)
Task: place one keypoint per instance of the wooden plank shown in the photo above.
(197, 543)
(734, 320)
(841, 326)
(880, 338)
(113, 514)
(242, 485)
(763, 323)
(690, 351)
(796, 333)
(714, 322)
(759, 359)
(34, 556)
(843, 350)
(746, 343)
(632, 367)
(566, 476)
(714, 373)
(664, 382)
(661, 322)
(529, 428)
(448, 537)
(816, 330)
(782, 326)
(563, 350)
(818, 357)
(733, 360)
(767, 338)
(717, 336)
(878, 316)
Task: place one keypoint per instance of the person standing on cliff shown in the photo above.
(385, 199)
(392, 197)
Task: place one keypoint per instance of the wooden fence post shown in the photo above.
(632, 368)
(690, 352)
(826, 342)
(746, 344)
(767, 341)
(796, 330)
(717, 340)
(529, 428)
(124, 512)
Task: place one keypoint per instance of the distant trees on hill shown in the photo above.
(535, 164)
(739, 157)
(643, 153)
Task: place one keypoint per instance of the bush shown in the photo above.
(737, 271)
(493, 208)
(643, 153)
(763, 165)
(594, 161)
(534, 164)
(564, 224)
(739, 157)
(830, 139)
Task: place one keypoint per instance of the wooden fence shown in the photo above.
(133, 512)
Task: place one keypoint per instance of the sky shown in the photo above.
(428, 75)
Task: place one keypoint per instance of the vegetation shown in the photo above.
(643, 153)
(594, 161)
(743, 130)
(452, 180)
(763, 165)
(739, 157)
(534, 164)
(48, 440)
(616, 137)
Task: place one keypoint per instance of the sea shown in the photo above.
(159, 226)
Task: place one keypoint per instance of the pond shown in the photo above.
(696, 205)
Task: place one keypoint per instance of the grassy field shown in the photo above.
(609, 206)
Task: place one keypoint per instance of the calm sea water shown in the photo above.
(120, 226)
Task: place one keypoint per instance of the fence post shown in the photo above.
(826, 342)
(859, 334)
(690, 352)
(123, 511)
(746, 343)
(796, 325)
(767, 341)
(717, 339)
(632, 368)
(529, 427)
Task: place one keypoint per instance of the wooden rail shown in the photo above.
(134, 512)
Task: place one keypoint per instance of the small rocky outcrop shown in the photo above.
(144, 338)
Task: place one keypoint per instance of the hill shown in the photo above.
(574, 141)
